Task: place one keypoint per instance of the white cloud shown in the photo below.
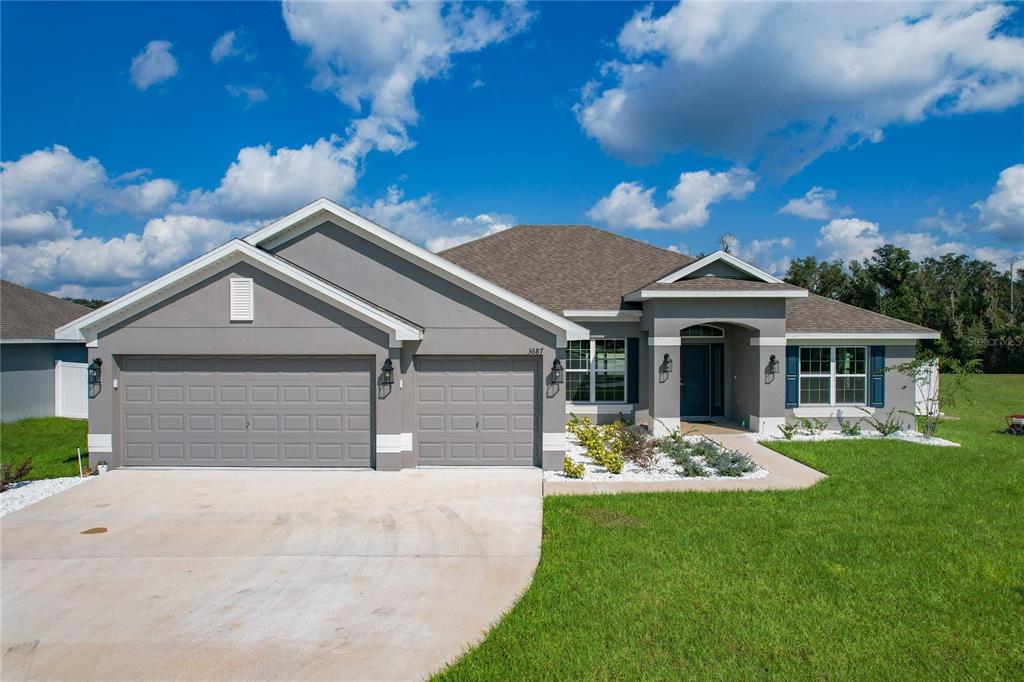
(788, 82)
(771, 255)
(251, 93)
(153, 65)
(847, 239)
(1002, 212)
(376, 53)
(817, 204)
(1001, 257)
(262, 183)
(418, 220)
(940, 220)
(236, 43)
(40, 187)
(631, 205)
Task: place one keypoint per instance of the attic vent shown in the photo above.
(241, 299)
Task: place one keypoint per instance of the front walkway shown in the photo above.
(783, 474)
(246, 574)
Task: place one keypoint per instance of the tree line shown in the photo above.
(965, 299)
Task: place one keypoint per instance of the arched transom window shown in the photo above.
(702, 331)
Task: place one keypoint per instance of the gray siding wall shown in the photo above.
(26, 377)
(719, 269)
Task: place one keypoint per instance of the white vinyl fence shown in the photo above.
(927, 393)
(71, 383)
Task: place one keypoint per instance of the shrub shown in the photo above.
(848, 428)
(613, 462)
(813, 426)
(691, 467)
(675, 447)
(886, 427)
(572, 468)
(729, 463)
(9, 474)
(704, 448)
(637, 445)
(788, 430)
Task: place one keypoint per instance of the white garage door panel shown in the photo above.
(246, 411)
(475, 410)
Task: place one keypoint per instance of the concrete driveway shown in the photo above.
(264, 574)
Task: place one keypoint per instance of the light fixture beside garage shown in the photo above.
(666, 364)
(556, 371)
(94, 372)
(387, 373)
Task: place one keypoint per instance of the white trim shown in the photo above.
(862, 337)
(832, 411)
(556, 441)
(833, 376)
(592, 370)
(309, 216)
(647, 294)
(99, 442)
(732, 260)
(95, 343)
(394, 443)
(664, 426)
(595, 409)
(234, 251)
(6, 342)
(767, 340)
(663, 340)
(766, 425)
(604, 315)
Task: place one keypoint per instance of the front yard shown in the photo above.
(907, 562)
(49, 441)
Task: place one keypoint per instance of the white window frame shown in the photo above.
(592, 371)
(719, 336)
(833, 377)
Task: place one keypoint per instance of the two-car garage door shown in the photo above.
(246, 411)
(316, 411)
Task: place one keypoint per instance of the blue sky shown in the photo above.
(130, 144)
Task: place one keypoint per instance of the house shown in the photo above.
(324, 339)
(38, 373)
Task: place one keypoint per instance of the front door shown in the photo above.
(695, 381)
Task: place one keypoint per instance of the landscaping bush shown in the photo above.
(10, 474)
(848, 428)
(885, 427)
(813, 426)
(729, 463)
(572, 468)
(637, 445)
(788, 430)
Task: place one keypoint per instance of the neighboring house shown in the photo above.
(39, 373)
(326, 340)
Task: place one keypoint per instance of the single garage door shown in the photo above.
(476, 410)
(246, 411)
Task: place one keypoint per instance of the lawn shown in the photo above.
(49, 441)
(908, 562)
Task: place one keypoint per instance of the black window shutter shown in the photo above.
(633, 370)
(877, 376)
(792, 376)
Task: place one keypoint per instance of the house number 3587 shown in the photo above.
(536, 351)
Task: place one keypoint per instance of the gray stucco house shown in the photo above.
(324, 339)
(30, 355)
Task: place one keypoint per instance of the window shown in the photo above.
(703, 331)
(833, 375)
(595, 371)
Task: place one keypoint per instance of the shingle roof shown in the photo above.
(819, 314)
(712, 283)
(29, 314)
(566, 267)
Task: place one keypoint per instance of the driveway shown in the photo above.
(264, 574)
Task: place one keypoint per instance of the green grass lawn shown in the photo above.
(49, 441)
(908, 562)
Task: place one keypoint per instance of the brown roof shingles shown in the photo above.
(712, 283)
(30, 314)
(825, 315)
(566, 267)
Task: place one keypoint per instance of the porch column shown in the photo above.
(553, 417)
(387, 398)
(770, 410)
(663, 395)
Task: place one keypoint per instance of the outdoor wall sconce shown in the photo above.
(773, 365)
(666, 364)
(387, 373)
(556, 371)
(94, 372)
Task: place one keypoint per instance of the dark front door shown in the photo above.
(695, 381)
